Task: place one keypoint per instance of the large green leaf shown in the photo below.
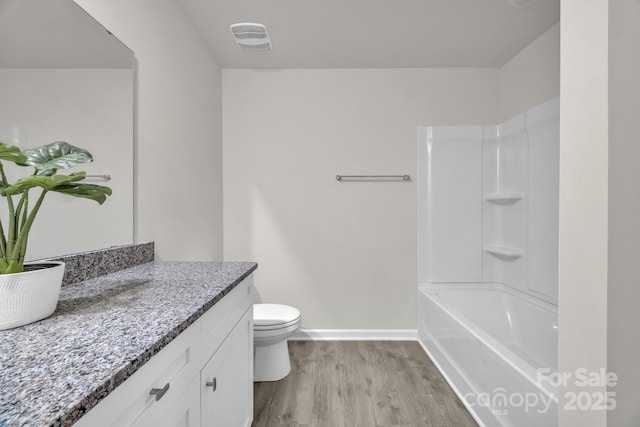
(98, 193)
(12, 154)
(45, 182)
(56, 155)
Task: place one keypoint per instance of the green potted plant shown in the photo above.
(30, 293)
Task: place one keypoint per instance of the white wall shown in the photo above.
(583, 199)
(532, 76)
(344, 253)
(623, 315)
(179, 159)
(88, 108)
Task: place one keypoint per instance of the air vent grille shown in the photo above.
(251, 37)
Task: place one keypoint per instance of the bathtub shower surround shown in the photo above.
(488, 263)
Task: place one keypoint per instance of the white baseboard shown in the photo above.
(355, 335)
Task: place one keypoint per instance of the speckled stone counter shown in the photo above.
(87, 265)
(103, 330)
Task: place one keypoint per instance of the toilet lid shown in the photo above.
(274, 314)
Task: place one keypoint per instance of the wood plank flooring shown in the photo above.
(358, 384)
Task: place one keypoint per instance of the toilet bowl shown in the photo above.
(272, 325)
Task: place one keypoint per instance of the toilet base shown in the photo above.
(271, 362)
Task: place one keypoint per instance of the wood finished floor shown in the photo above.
(359, 384)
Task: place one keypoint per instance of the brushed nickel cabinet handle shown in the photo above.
(213, 384)
(159, 392)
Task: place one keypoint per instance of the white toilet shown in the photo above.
(272, 325)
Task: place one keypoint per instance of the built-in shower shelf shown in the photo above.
(503, 198)
(504, 252)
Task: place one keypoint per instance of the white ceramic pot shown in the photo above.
(30, 296)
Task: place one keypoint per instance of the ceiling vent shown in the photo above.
(251, 37)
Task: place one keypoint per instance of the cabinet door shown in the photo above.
(220, 319)
(226, 381)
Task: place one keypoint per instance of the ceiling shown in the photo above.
(56, 34)
(374, 33)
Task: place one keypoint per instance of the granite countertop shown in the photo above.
(103, 330)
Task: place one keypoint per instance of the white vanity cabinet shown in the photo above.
(225, 377)
(204, 377)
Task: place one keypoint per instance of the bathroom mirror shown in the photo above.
(64, 77)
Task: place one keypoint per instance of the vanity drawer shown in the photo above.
(154, 389)
(220, 319)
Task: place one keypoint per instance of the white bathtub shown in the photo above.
(496, 347)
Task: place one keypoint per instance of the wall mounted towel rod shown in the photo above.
(101, 177)
(405, 177)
